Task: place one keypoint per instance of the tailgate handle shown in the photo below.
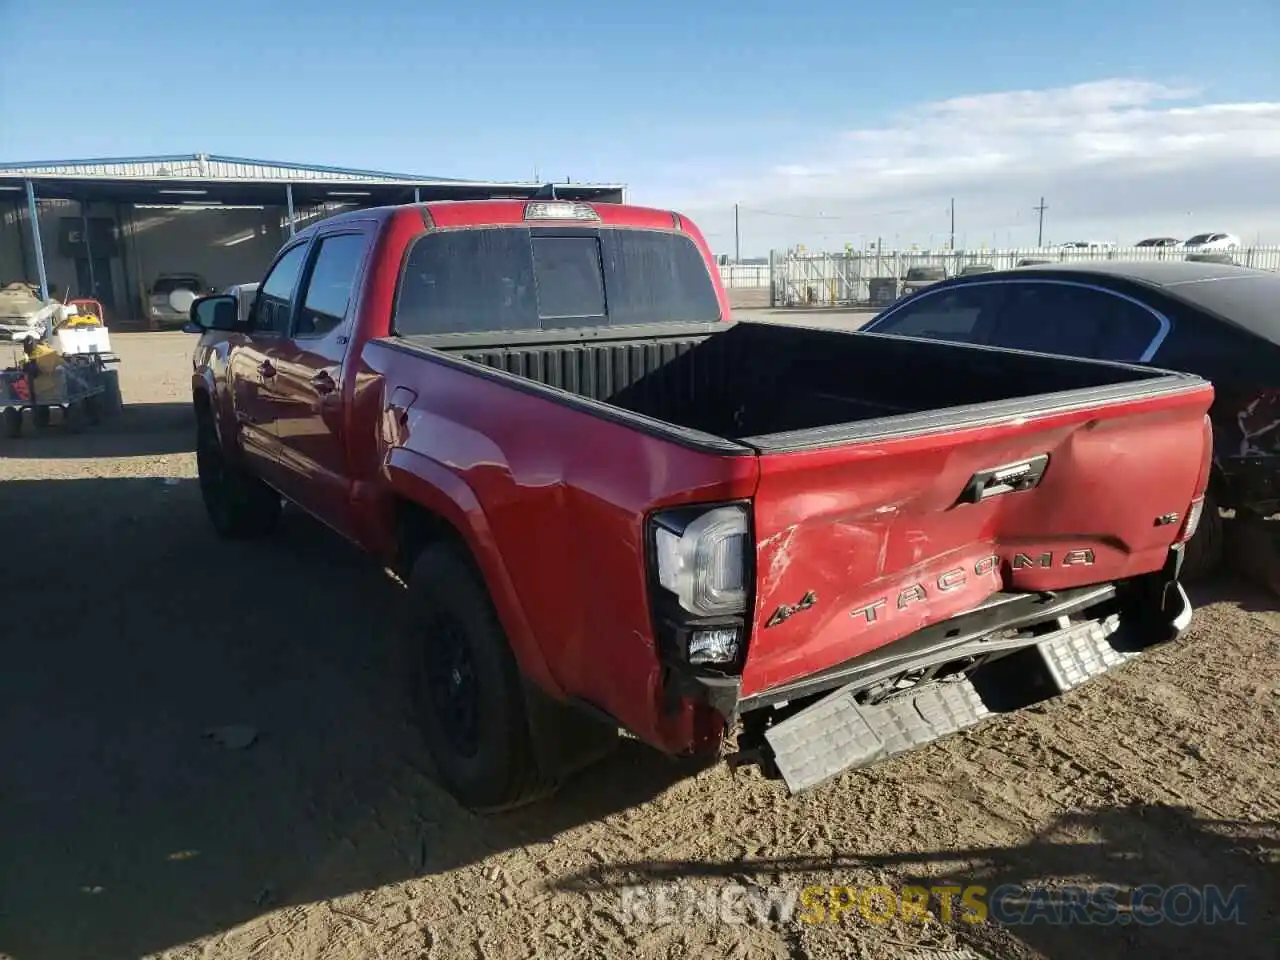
(1009, 478)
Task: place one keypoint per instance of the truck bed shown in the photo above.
(772, 387)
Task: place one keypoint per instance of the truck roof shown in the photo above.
(483, 213)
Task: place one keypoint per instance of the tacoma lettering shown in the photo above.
(957, 577)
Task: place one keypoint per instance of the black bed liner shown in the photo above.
(770, 388)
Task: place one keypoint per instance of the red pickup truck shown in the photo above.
(609, 502)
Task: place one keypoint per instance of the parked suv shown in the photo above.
(918, 278)
(172, 295)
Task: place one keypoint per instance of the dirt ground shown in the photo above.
(140, 654)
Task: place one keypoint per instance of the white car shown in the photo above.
(1213, 241)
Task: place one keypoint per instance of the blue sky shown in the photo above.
(686, 103)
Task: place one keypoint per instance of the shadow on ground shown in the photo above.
(140, 429)
(130, 634)
(1124, 847)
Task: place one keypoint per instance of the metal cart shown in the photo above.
(81, 394)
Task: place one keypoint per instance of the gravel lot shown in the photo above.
(127, 830)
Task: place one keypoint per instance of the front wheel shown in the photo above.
(240, 506)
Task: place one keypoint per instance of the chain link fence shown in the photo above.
(797, 278)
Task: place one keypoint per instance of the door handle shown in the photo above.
(323, 383)
(266, 368)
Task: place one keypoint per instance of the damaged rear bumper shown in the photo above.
(838, 733)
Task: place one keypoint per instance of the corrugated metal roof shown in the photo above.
(205, 166)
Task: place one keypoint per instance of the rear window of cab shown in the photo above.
(543, 278)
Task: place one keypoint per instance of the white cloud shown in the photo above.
(1114, 159)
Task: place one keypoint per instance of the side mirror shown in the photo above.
(219, 312)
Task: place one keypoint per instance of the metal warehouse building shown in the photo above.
(107, 228)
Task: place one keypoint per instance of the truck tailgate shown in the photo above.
(864, 542)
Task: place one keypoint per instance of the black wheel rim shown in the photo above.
(452, 689)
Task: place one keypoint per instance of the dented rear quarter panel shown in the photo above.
(875, 530)
(556, 513)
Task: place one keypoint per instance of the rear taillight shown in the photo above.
(701, 577)
(1189, 525)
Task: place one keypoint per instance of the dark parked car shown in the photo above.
(1216, 320)
(918, 278)
(1159, 242)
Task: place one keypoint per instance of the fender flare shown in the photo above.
(418, 479)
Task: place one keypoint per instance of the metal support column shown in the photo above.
(417, 194)
(35, 241)
(88, 251)
(288, 195)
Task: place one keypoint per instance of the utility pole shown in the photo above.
(952, 247)
(737, 245)
(1040, 233)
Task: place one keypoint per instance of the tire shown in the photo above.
(73, 416)
(12, 422)
(113, 402)
(93, 409)
(40, 417)
(468, 695)
(1203, 556)
(240, 506)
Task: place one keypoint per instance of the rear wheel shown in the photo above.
(112, 402)
(1203, 556)
(240, 506)
(469, 697)
(12, 422)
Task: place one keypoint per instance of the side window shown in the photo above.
(274, 302)
(1074, 321)
(957, 313)
(328, 290)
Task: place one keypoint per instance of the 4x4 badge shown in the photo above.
(787, 610)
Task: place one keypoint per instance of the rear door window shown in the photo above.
(957, 313)
(328, 293)
(512, 278)
(1074, 321)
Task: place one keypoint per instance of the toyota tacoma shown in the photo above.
(612, 506)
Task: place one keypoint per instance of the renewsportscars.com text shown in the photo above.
(1007, 904)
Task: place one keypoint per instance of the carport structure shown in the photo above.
(106, 228)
